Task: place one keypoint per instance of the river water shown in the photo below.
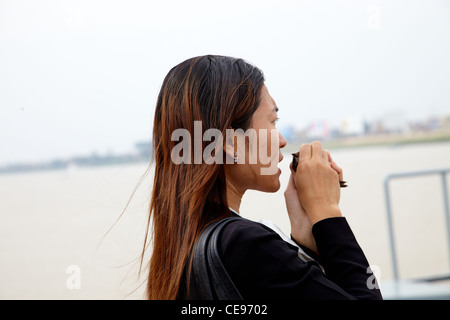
(53, 224)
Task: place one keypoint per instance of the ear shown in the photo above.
(228, 149)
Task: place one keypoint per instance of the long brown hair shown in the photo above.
(222, 93)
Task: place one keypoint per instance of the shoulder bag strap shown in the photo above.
(210, 274)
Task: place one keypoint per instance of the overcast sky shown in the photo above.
(83, 76)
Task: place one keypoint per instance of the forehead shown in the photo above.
(267, 104)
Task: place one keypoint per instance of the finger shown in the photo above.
(338, 170)
(326, 156)
(305, 151)
(330, 160)
(335, 166)
(316, 150)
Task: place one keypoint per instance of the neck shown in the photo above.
(234, 196)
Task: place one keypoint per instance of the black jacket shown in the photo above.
(263, 266)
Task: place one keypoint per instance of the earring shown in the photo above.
(235, 157)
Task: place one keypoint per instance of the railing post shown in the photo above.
(391, 228)
(443, 173)
(446, 206)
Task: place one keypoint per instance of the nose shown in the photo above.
(283, 141)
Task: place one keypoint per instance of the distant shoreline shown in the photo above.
(339, 143)
(381, 140)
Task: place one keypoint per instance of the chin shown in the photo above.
(276, 187)
(272, 185)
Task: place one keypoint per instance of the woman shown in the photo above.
(222, 94)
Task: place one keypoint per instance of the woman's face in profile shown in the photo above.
(264, 174)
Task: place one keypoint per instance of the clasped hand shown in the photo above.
(313, 192)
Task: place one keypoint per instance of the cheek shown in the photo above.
(268, 183)
(266, 158)
(267, 147)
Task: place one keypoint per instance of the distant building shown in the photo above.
(318, 130)
(394, 122)
(352, 126)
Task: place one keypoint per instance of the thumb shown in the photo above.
(291, 184)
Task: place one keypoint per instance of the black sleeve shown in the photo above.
(263, 266)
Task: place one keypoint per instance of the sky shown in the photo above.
(78, 77)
